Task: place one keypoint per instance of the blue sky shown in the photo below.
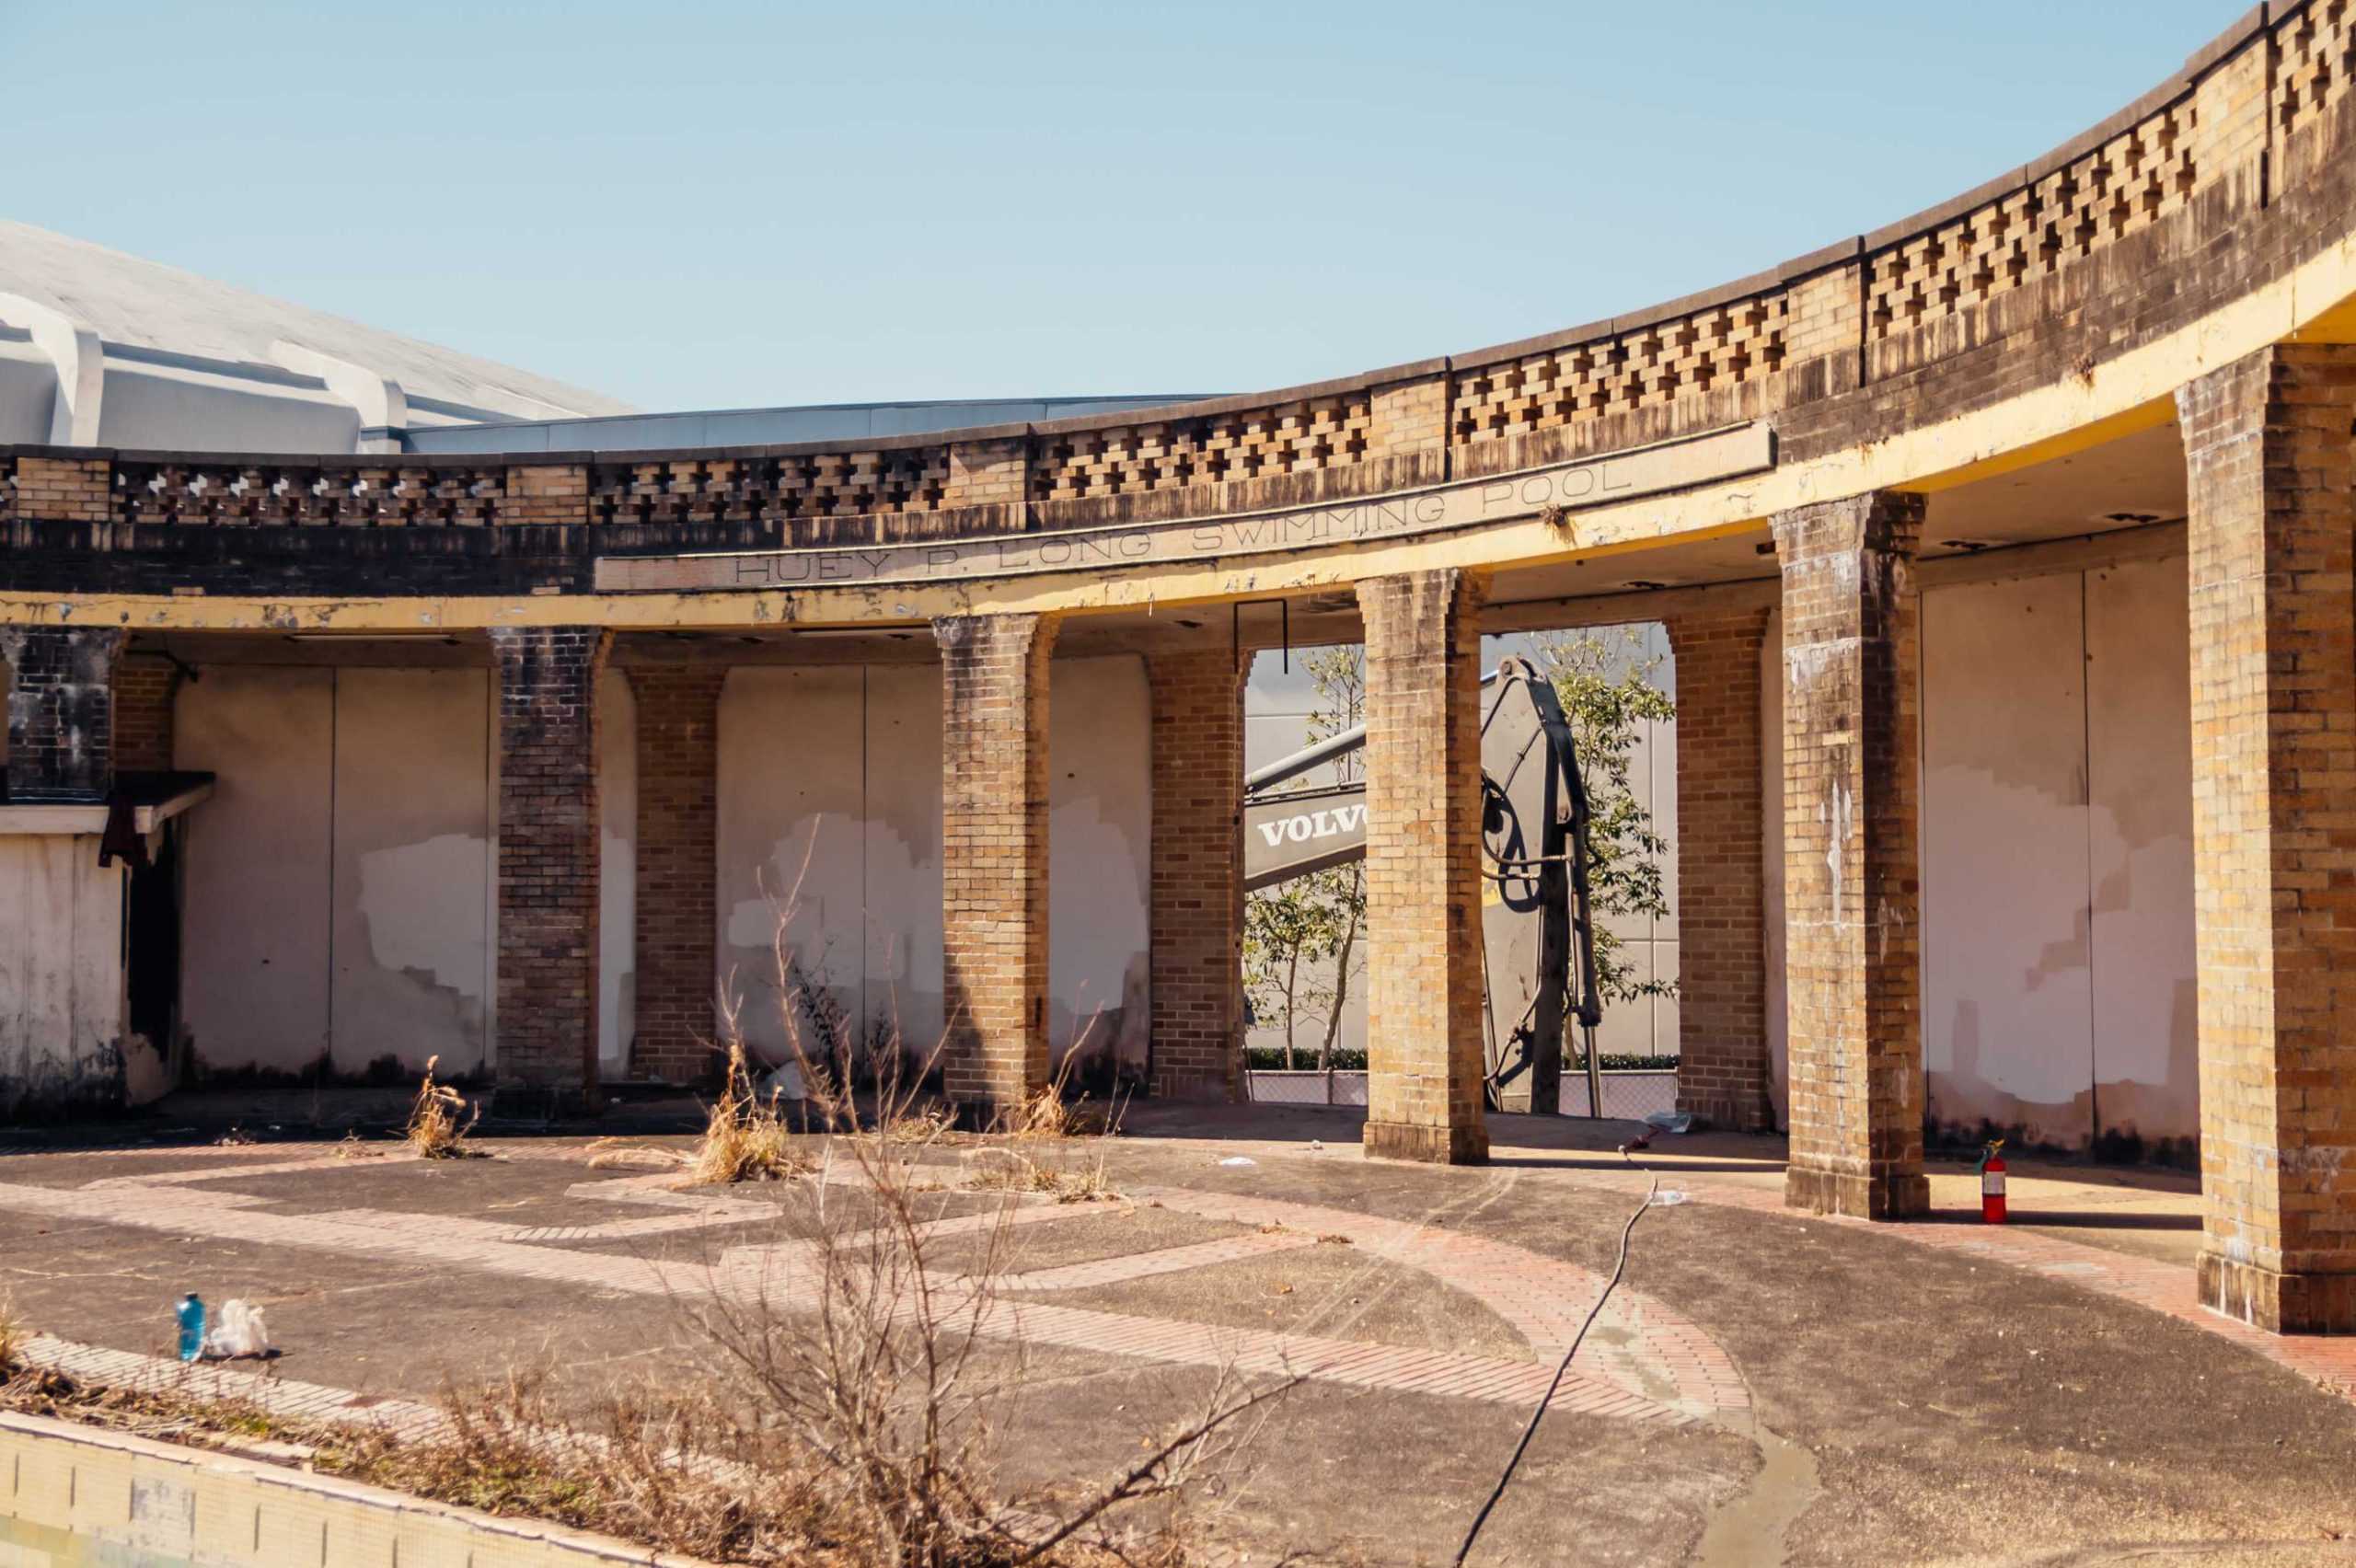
(700, 205)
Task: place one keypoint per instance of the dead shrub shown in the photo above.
(747, 1138)
(435, 1131)
(13, 1333)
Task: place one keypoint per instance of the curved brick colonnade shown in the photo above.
(2190, 261)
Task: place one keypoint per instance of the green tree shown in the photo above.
(1607, 683)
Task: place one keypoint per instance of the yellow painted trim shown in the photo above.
(2131, 393)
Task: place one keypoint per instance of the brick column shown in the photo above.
(2270, 530)
(1852, 890)
(1195, 946)
(678, 815)
(61, 710)
(548, 854)
(1423, 874)
(994, 858)
(1723, 1070)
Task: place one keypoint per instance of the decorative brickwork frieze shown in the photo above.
(60, 711)
(2269, 442)
(1307, 436)
(1852, 883)
(145, 690)
(994, 857)
(2033, 232)
(548, 885)
(1196, 916)
(236, 492)
(1725, 345)
(1423, 870)
(679, 812)
(750, 489)
(1723, 1069)
(2315, 63)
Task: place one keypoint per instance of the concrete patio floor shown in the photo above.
(1764, 1386)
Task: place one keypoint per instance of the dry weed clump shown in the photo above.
(13, 1334)
(434, 1130)
(747, 1138)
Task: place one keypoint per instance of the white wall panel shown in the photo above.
(413, 868)
(2007, 998)
(255, 914)
(1100, 798)
(2139, 662)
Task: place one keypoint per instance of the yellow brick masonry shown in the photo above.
(1196, 924)
(2271, 529)
(1423, 872)
(994, 857)
(1852, 890)
(1721, 1073)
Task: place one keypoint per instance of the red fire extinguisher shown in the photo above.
(1991, 1183)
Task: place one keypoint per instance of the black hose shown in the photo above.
(1561, 1367)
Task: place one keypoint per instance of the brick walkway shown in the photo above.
(1645, 1362)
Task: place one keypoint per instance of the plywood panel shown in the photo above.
(2147, 1086)
(254, 954)
(2006, 979)
(411, 869)
(1101, 820)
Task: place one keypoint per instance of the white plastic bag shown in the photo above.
(239, 1331)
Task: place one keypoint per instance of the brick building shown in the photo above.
(2007, 555)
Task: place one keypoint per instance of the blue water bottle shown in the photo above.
(192, 1317)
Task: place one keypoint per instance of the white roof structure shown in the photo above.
(98, 348)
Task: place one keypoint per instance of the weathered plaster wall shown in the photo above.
(830, 820)
(2057, 860)
(410, 878)
(340, 881)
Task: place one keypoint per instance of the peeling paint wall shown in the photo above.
(340, 886)
(2057, 860)
(830, 784)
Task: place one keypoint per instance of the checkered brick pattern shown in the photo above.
(1423, 870)
(2315, 63)
(1290, 438)
(1722, 1070)
(1195, 945)
(548, 885)
(678, 814)
(1852, 886)
(1730, 344)
(2119, 188)
(750, 489)
(2269, 443)
(60, 711)
(994, 857)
